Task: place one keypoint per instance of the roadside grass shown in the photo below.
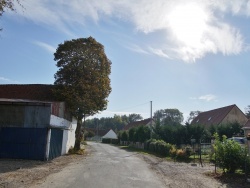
(232, 180)
(142, 151)
(205, 158)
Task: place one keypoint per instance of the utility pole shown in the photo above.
(151, 110)
(151, 126)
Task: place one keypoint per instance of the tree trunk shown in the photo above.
(78, 134)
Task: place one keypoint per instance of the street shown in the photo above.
(107, 166)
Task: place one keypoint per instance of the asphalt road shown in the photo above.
(107, 167)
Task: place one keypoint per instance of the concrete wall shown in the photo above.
(68, 133)
(69, 137)
(235, 115)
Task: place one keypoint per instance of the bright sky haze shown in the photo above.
(185, 54)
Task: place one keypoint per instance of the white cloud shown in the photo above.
(193, 28)
(137, 49)
(45, 46)
(8, 81)
(159, 52)
(208, 97)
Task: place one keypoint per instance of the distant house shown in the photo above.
(98, 134)
(110, 134)
(33, 124)
(101, 133)
(228, 114)
(146, 122)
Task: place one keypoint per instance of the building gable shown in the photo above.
(221, 115)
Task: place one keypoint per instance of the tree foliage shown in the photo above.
(247, 111)
(192, 115)
(8, 5)
(169, 117)
(82, 79)
(117, 122)
(228, 129)
(229, 154)
(137, 134)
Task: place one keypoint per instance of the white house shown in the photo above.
(111, 135)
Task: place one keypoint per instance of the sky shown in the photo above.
(185, 54)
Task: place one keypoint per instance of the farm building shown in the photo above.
(33, 125)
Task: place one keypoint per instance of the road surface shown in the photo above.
(107, 166)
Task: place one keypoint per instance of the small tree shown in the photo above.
(82, 79)
(229, 154)
(131, 134)
(143, 133)
(124, 136)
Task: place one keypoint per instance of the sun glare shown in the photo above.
(188, 23)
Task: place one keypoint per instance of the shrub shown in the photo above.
(109, 141)
(173, 151)
(152, 146)
(229, 154)
(181, 154)
(163, 148)
(114, 141)
(158, 146)
(188, 150)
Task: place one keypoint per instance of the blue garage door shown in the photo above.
(23, 143)
(56, 139)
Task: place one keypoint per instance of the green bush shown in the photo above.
(229, 155)
(147, 143)
(163, 148)
(158, 146)
(114, 141)
(109, 141)
(106, 140)
(152, 146)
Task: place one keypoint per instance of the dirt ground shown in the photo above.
(25, 173)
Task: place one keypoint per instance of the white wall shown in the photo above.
(59, 122)
(111, 134)
(68, 132)
(69, 137)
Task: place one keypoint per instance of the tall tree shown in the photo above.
(192, 115)
(247, 111)
(169, 117)
(82, 79)
(134, 117)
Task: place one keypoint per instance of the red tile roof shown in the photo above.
(38, 92)
(137, 124)
(213, 117)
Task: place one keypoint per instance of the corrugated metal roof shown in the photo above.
(37, 92)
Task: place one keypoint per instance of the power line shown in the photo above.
(132, 106)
